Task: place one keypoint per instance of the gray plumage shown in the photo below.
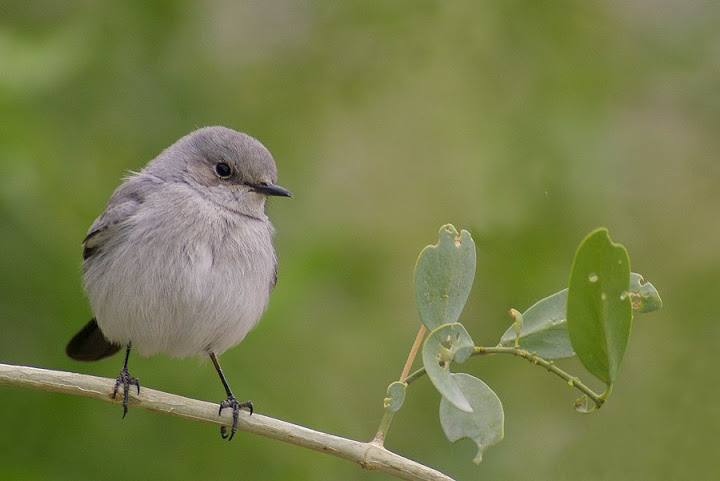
(181, 261)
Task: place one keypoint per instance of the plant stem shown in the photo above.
(379, 439)
(413, 352)
(573, 381)
(415, 376)
(386, 420)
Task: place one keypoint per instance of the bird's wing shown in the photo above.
(123, 204)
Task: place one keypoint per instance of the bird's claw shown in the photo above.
(236, 407)
(126, 380)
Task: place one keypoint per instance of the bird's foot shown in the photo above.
(125, 380)
(236, 407)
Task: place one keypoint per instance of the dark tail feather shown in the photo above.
(90, 344)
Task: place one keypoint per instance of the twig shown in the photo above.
(573, 381)
(413, 352)
(368, 455)
(379, 439)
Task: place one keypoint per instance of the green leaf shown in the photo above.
(484, 425)
(643, 295)
(599, 311)
(447, 344)
(396, 396)
(443, 277)
(543, 329)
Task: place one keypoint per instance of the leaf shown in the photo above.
(543, 329)
(643, 295)
(484, 425)
(447, 344)
(599, 311)
(443, 277)
(396, 396)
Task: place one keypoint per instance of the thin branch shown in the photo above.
(413, 352)
(573, 381)
(379, 439)
(368, 455)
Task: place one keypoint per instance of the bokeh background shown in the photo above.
(526, 123)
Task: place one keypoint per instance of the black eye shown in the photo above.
(223, 170)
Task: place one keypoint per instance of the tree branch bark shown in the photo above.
(368, 455)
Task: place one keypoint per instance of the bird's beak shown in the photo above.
(270, 189)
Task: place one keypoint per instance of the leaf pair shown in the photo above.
(443, 278)
(592, 318)
(542, 328)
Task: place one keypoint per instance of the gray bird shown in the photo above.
(181, 260)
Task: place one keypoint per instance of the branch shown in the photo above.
(379, 438)
(368, 455)
(572, 381)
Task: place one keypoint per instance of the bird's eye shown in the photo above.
(223, 170)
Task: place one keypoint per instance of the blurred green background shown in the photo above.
(527, 123)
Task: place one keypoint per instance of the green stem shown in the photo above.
(415, 376)
(379, 438)
(573, 381)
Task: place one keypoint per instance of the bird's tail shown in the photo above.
(90, 344)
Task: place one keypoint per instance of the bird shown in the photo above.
(181, 261)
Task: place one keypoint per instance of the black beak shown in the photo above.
(270, 189)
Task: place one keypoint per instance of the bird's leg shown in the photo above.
(230, 402)
(126, 381)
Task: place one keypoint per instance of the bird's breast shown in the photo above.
(191, 284)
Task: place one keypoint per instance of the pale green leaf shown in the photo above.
(447, 344)
(643, 295)
(444, 274)
(543, 329)
(484, 425)
(395, 396)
